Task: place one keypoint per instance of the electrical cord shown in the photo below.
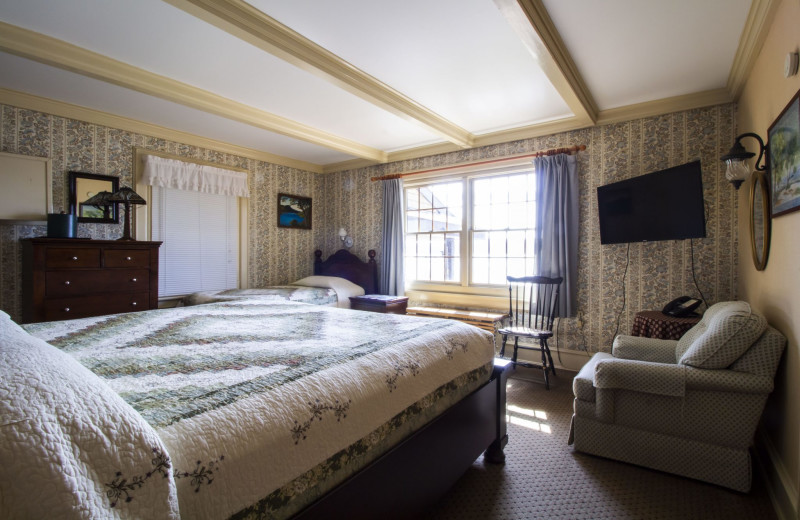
(624, 274)
(694, 279)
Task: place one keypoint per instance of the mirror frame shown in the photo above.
(75, 200)
(759, 187)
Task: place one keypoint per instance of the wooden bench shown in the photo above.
(483, 320)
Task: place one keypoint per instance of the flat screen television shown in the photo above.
(663, 205)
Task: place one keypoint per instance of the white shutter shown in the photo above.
(200, 234)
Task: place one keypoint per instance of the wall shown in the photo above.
(657, 272)
(775, 292)
(276, 255)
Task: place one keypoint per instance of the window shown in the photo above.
(470, 232)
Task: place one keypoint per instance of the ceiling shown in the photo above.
(324, 85)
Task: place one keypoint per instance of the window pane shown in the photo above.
(497, 244)
(480, 270)
(516, 243)
(437, 245)
(423, 245)
(499, 189)
(530, 215)
(425, 197)
(481, 192)
(437, 269)
(410, 269)
(439, 192)
(452, 245)
(424, 268)
(411, 245)
(454, 218)
(440, 219)
(425, 220)
(452, 270)
(516, 267)
(412, 221)
(412, 198)
(518, 188)
(497, 271)
(499, 216)
(455, 193)
(482, 218)
(480, 244)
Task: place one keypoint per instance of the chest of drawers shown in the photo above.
(77, 278)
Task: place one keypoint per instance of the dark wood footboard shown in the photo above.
(413, 475)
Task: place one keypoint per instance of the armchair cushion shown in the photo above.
(721, 338)
(644, 349)
(641, 376)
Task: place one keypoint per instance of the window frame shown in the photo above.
(462, 292)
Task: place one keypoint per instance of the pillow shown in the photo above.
(725, 336)
(67, 441)
(344, 288)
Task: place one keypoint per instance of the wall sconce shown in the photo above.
(737, 157)
(127, 196)
(346, 240)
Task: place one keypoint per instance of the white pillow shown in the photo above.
(67, 439)
(344, 288)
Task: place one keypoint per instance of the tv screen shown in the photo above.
(663, 205)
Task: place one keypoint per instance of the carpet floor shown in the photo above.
(545, 478)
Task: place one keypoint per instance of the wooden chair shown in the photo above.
(532, 302)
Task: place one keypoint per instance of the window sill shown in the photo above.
(465, 300)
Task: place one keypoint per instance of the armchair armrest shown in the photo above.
(727, 381)
(641, 376)
(644, 349)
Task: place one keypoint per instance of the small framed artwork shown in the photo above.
(784, 159)
(83, 186)
(294, 211)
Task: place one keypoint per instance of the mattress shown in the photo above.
(262, 406)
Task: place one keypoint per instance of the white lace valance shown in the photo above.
(180, 175)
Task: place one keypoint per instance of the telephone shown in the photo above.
(682, 306)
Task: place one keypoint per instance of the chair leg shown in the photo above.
(549, 356)
(503, 347)
(516, 345)
(544, 364)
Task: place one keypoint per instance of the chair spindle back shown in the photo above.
(533, 301)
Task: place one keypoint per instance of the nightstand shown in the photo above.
(379, 303)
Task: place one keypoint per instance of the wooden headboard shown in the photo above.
(348, 266)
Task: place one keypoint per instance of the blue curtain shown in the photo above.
(556, 239)
(390, 262)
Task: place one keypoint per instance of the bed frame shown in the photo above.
(410, 478)
(346, 265)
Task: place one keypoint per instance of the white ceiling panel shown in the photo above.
(53, 83)
(160, 38)
(632, 51)
(460, 58)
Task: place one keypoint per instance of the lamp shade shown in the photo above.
(127, 195)
(100, 200)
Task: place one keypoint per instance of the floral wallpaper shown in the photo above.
(656, 272)
(276, 256)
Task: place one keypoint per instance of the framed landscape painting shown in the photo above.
(294, 211)
(784, 159)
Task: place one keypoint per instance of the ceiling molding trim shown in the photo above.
(257, 28)
(50, 51)
(89, 115)
(665, 106)
(533, 25)
(756, 28)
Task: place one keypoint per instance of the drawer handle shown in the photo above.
(66, 309)
(134, 279)
(74, 257)
(133, 304)
(127, 258)
(66, 283)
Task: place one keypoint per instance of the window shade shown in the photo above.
(180, 175)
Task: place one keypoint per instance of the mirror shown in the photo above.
(82, 186)
(760, 224)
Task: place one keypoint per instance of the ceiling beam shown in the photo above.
(50, 51)
(533, 25)
(257, 28)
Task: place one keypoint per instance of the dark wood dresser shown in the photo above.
(65, 278)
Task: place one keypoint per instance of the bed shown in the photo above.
(335, 280)
(237, 409)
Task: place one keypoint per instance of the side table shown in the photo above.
(379, 303)
(656, 324)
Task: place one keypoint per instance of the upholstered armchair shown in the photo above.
(688, 407)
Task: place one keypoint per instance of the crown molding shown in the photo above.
(664, 106)
(51, 51)
(67, 110)
(756, 28)
(533, 25)
(257, 28)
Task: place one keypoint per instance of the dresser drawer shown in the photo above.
(126, 258)
(96, 305)
(92, 281)
(66, 257)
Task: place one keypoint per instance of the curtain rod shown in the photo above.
(553, 151)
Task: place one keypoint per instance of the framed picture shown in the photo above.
(294, 211)
(83, 186)
(784, 159)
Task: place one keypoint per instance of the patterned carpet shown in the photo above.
(544, 478)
